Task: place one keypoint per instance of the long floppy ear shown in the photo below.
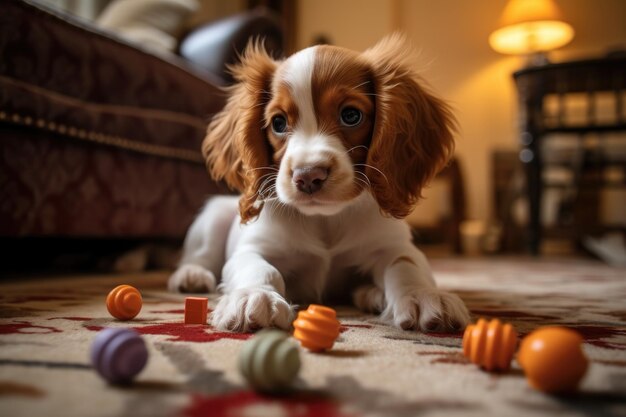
(235, 147)
(413, 132)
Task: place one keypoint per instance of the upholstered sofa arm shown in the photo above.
(62, 74)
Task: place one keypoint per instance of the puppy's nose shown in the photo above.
(309, 179)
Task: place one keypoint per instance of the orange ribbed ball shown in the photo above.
(124, 302)
(490, 345)
(316, 328)
(553, 359)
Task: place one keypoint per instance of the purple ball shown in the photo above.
(118, 354)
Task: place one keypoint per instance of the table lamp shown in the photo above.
(531, 28)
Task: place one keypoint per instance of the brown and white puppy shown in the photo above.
(330, 149)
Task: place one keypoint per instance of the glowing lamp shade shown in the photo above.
(530, 26)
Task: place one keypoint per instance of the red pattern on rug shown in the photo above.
(22, 326)
(184, 333)
(246, 403)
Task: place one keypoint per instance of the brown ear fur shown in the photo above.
(235, 147)
(413, 131)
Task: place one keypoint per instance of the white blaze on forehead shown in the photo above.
(297, 74)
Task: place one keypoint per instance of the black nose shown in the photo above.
(310, 179)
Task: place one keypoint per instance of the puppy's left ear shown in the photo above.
(413, 131)
(236, 147)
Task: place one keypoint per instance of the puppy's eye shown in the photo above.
(350, 116)
(279, 124)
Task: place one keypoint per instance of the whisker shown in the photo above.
(362, 182)
(266, 185)
(358, 146)
(365, 176)
(363, 83)
(257, 91)
(375, 169)
(269, 174)
(267, 177)
(269, 182)
(272, 168)
(261, 190)
(269, 190)
(326, 128)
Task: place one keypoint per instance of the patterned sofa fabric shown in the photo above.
(98, 137)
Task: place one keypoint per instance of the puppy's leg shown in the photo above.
(412, 299)
(204, 248)
(253, 296)
(369, 298)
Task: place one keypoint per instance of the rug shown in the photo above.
(47, 326)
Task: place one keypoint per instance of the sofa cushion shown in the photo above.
(155, 23)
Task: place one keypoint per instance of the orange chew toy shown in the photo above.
(316, 328)
(552, 359)
(196, 310)
(124, 302)
(490, 345)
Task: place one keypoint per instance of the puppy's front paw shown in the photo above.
(249, 309)
(192, 278)
(429, 309)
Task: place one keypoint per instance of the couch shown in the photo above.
(99, 137)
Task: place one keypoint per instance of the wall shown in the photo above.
(455, 57)
(212, 10)
(355, 24)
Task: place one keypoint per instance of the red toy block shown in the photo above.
(196, 309)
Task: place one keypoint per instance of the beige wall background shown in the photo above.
(454, 56)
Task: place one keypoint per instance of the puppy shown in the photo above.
(330, 149)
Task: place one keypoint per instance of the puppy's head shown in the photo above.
(325, 125)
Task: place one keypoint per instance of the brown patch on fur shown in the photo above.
(341, 78)
(413, 133)
(281, 104)
(235, 148)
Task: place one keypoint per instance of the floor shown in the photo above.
(47, 327)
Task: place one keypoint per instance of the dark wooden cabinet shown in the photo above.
(546, 93)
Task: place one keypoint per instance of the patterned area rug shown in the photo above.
(374, 370)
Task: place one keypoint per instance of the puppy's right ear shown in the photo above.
(235, 143)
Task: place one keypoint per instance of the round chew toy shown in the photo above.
(316, 328)
(552, 359)
(118, 354)
(270, 361)
(124, 302)
(490, 345)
